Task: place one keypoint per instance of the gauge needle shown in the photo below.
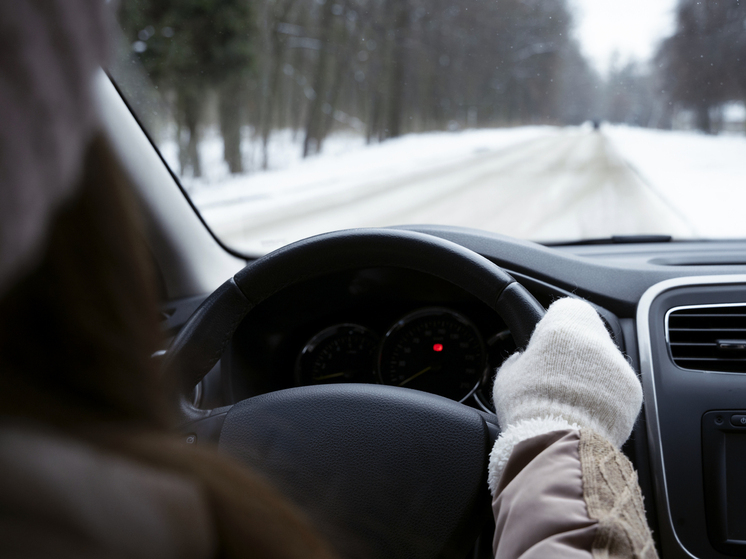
(414, 376)
(333, 375)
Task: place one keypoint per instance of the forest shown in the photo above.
(383, 68)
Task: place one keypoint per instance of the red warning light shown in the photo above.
(437, 347)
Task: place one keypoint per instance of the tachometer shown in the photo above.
(340, 353)
(435, 350)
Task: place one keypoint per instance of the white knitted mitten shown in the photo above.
(571, 375)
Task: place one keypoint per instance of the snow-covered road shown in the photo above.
(564, 186)
(551, 184)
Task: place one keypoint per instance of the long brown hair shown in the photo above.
(78, 331)
(76, 337)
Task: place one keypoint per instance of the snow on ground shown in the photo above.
(703, 177)
(285, 150)
(345, 163)
(542, 183)
(347, 170)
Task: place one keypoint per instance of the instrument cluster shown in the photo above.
(433, 349)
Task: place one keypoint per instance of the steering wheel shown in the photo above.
(382, 471)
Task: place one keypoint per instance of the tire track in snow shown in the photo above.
(561, 186)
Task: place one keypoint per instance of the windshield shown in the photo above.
(541, 119)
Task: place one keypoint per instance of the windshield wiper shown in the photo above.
(615, 240)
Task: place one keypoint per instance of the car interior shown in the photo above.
(393, 450)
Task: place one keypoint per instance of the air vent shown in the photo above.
(708, 338)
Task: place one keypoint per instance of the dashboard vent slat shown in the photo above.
(708, 338)
(710, 315)
(707, 329)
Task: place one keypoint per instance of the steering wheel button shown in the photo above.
(738, 420)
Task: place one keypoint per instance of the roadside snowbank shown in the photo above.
(346, 163)
(285, 150)
(703, 177)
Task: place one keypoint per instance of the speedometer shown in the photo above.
(435, 350)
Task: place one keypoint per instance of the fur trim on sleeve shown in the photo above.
(514, 434)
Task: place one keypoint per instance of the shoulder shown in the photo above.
(63, 497)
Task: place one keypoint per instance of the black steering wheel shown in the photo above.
(382, 471)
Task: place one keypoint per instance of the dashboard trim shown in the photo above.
(648, 382)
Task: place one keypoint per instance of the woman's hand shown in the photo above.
(571, 375)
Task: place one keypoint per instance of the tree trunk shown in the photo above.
(230, 124)
(702, 118)
(371, 129)
(336, 88)
(193, 150)
(397, 76)
(190, 104)
(278, 50)
(312, 141)
(277, 45)
(296, 95)
(183, 161)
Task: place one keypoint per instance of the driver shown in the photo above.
(89, 468)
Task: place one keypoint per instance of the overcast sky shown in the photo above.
(631, 27)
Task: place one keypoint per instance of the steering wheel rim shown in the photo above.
(302, 451)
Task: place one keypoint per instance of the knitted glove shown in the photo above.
(570, 376)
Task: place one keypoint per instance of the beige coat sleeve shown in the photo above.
(569, 494)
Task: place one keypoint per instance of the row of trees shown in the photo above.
(698, 69)
(381, 67)
(191, 48)
(387, 67)
(703, 64)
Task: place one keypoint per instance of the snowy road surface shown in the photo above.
(547, 184)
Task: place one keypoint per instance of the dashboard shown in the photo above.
(374, 325)
(658, 300)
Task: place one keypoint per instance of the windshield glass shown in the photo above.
(542, 119)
